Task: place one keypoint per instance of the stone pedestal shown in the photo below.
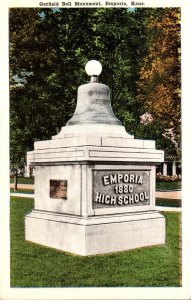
(95, 183)
(95, 194)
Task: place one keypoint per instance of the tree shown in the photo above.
(47, 57)
(159, 82)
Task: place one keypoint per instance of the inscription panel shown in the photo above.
(120, 188)
(58, 189)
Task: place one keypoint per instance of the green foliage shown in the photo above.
(159, 82)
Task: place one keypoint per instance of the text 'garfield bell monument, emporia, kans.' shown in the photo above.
(95, 183)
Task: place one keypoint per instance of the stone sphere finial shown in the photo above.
(93, 68)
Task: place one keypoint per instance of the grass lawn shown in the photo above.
(171, 185)
(23, 180)
(37, 266)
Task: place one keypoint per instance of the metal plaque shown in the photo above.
(120, 188)
(58, 189)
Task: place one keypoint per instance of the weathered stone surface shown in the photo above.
(95, 235)
(84, 182)
(98, 153)
(43, 199)
(121, 188)
(88, 130)
(93, 106)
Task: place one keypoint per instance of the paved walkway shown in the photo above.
(23, 186)
(168, 194)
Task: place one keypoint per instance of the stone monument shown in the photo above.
(95, 183)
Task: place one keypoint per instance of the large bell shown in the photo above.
(93, 115)
(93, 102)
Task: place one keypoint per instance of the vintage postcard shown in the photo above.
(95, 120)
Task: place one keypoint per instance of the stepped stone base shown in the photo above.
(95, 235)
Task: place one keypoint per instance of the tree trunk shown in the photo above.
(15, 181)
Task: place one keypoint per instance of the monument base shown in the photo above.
(97, 234)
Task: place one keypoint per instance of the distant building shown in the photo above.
(170, 168)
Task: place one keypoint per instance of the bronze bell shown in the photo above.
(93, 101)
